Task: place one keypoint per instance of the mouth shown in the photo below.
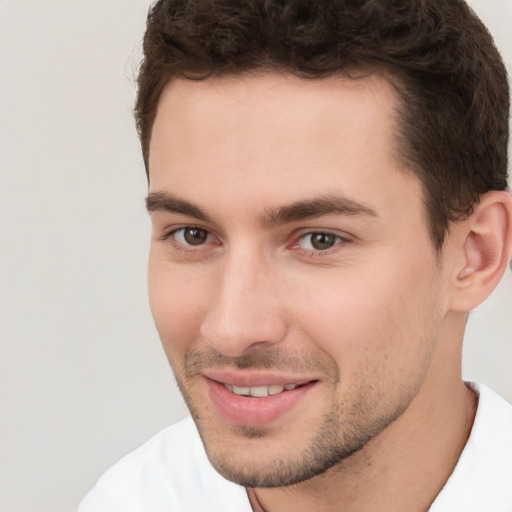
(256, 400)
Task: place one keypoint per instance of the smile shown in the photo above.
(256, 400)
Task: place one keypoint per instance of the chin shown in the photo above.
(252, 458)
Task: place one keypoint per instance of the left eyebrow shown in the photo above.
(316, 207)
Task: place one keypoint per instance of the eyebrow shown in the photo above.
(161, 201)
(316, 207)
(300, 210)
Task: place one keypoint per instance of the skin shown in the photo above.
(370, 319)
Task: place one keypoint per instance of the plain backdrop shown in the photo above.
(83, 379)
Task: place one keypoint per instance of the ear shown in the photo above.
(484, 251)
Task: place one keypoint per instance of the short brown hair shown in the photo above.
(453, 121)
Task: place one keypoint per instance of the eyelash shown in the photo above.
(171, 236)
(339, 240)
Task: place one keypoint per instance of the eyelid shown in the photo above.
(342, 235)
(335, 238)
(342, 239)
(168, 236)
(182, 238)
(170, 230)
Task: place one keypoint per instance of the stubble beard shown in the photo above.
(327, 450)
(341, 433)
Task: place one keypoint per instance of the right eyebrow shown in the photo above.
(162, 201)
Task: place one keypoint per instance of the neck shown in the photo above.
(403, 469)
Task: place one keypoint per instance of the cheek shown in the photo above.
(177, 304)
(377, 324)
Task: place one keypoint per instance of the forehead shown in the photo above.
(276, 104)
(276, 136)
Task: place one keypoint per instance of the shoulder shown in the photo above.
(481, 479)
(170, 472)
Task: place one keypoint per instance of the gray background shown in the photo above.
(83, 379)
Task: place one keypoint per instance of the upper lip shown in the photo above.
(251, 379)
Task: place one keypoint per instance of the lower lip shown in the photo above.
(254, 412)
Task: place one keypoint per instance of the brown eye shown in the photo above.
(191, 236)
(194, 236)
(318, 241)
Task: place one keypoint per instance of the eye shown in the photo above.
(318, 241)
(192, 236)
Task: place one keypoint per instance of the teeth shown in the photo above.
(274, 390)
(241, 391)
(260, 391)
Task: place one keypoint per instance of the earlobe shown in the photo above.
(486, 250)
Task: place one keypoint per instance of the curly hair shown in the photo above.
(453, 119)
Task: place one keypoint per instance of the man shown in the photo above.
(327, 188)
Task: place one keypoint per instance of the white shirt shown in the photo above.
(171, 472)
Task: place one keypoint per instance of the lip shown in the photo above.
(250, 411)
(253, 379)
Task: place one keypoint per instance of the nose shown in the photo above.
(245, 311)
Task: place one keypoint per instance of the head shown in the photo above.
(307, 163)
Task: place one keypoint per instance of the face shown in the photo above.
(292, 279)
